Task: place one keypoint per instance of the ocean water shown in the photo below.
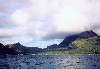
(50, 62)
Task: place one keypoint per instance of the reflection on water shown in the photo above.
(50, 62)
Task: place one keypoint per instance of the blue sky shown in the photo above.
(45, 22)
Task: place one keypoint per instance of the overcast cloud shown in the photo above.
(33, 22)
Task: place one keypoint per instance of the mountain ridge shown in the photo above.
(82, 35)
(87, 41)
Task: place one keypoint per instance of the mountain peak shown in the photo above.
(89, 31)
(17, 43)
(82, 35)
(87, 34)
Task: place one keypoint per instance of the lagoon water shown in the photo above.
(50, 62)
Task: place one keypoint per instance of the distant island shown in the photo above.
(87, 42)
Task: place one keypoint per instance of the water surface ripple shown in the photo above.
(50, 62)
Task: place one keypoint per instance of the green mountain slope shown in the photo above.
(86, 46)
(86, 43)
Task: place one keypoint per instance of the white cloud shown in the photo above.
(40, 18)
(22, 39)
(20, 17)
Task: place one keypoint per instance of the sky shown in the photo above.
(40, 23)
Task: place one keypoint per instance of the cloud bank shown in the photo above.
(32, 22)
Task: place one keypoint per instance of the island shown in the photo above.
(87, 42)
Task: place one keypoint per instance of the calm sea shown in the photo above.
(50, 62)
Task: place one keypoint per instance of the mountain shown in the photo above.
(65, 43)
(89, 45)
(87, 34)
(17, 47)
(4, 50)
(20, 49)
(87, 42)
(84, 35)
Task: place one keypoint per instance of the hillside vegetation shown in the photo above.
(81, 46)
